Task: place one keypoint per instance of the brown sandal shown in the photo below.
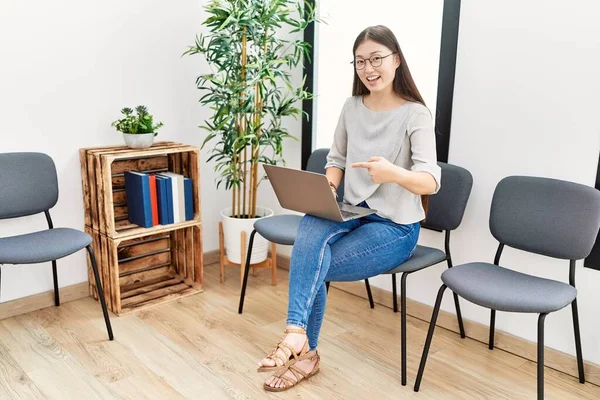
(288, 350)
(300, 375)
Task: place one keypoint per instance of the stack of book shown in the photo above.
(158, 199)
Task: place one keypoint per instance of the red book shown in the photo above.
(154, 200)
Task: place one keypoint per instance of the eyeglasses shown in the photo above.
(375, 61)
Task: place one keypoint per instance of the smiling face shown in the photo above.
(378, 78)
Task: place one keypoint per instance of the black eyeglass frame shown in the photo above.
(371, 61)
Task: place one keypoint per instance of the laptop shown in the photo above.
(310, 193)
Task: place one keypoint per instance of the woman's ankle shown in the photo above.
(293, 328)
(296, 336)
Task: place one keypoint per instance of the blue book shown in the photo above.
(189, 199)
(139, 206)
(161, 195)
(169, 193)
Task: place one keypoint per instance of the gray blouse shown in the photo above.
(404, 136)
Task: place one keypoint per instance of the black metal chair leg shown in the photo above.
(578, 341)
(100, 292)
(540, 357)
(327, 286)
(403, 326)
(461, 326)
(55, 277)
(371, 303)
(394, 293)
(492, 329)
(246, 272)
(436, 310)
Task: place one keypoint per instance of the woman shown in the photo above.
(384, 149)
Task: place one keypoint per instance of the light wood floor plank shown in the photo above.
(113, 364)
(14, 383)
(199, 347)
(46, 362)
(167, 360)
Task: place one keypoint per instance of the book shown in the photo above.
(178, 196)
(162, 193)
(153, 199)
(139, 203)
(189, 199)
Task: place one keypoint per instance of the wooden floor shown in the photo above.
(200, 348)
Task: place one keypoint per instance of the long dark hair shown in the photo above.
(404, 85)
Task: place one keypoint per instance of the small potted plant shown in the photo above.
(138, 129)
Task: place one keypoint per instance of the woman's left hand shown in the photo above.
(380, 169)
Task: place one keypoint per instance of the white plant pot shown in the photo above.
(232, 229)
(138, 140)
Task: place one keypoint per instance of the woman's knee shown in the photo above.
(319, 230)
(310, 221)
(312, 224)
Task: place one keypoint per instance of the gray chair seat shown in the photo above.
(42, 246)
(423, 257)
(502, 289)
(280, 229)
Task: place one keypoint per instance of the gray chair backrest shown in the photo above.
(446, 208)
(28, 184)
(546, 216)
(316, 163)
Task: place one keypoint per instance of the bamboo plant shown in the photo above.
(250, 88)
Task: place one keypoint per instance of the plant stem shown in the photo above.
(245, 175)
(233, 189)
(233, 162)
(244, 127)
(258, 107)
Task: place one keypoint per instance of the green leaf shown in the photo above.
(208, 138)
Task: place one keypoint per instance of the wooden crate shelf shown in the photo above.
(147, 270)
(103, 182)
(140, 267)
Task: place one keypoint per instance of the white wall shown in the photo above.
(67, 68)
(525, 102)
(416, 24)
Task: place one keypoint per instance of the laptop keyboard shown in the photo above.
(348, 214)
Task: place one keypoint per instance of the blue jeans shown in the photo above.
(354, 250)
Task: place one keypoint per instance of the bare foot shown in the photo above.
(306, 366)
(295, 340)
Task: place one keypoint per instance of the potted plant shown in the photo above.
(250, 91)
(138, 129)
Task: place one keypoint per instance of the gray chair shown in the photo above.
(29, 185)
(281, 229)
(549, 217)
(445, 213)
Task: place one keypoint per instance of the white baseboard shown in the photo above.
(42, 300)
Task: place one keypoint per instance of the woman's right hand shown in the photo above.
(334, 177)
(333, 190)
